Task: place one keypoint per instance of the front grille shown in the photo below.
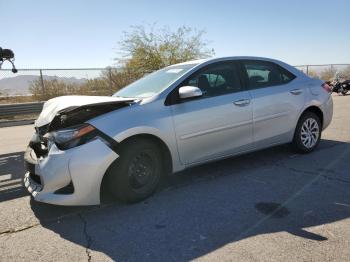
(30, 160)
(32, 186)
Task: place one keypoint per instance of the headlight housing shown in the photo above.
(72, 136)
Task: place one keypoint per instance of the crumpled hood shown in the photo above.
(54, 105)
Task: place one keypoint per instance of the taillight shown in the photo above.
(326, 87)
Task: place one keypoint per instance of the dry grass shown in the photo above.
(16, 99)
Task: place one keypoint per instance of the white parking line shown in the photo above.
(5, 177)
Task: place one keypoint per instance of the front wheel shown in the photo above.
(307, 133)
(136, 173)
(344, 92)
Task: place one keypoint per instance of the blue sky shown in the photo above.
(54, 34)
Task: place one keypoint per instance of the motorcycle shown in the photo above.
(340, 87)
(7, 55)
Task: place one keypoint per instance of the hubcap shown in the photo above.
(141, 171)
(310, 133)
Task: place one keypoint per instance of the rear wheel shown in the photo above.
(137, 172)
(307, 133)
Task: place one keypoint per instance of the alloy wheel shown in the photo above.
(310, 133)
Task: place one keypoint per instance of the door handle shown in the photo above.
(296, 91)
(242, 102)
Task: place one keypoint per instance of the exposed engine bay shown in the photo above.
(69, 117)
(79, 114)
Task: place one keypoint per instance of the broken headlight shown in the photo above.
(72, 136)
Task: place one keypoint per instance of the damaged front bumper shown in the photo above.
(68, 177)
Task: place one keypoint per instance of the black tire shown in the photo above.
(135, 175)
(344, 92)
(298, 140)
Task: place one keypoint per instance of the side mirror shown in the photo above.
(189, 92)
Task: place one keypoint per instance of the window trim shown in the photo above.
(245, 77)
(280, 68)
(173, 99)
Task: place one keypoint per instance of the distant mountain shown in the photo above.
(19, 85)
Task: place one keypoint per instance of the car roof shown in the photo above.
(223, 58)
(202, 62)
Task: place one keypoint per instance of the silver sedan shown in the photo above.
(180, 116)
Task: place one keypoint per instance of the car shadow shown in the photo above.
(11, 174)
(208, 207)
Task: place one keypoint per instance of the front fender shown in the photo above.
(147, 130)
(151, 119)
(138, 130)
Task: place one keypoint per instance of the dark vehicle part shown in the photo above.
(136, 174)
(73, 136)
(7, 55)
(39, 145)
(77, 115)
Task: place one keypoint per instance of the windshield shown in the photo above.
(155, 82)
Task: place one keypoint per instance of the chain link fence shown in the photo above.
(326, 72)
(33, 85)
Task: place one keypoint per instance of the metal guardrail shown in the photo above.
(20, 109)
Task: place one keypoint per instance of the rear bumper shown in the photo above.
(327, 109)
(70, 177)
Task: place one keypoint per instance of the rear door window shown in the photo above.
(264, 74)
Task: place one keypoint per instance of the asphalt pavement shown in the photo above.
(271, 205)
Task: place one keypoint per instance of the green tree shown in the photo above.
(148, 49)
(143, 50)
